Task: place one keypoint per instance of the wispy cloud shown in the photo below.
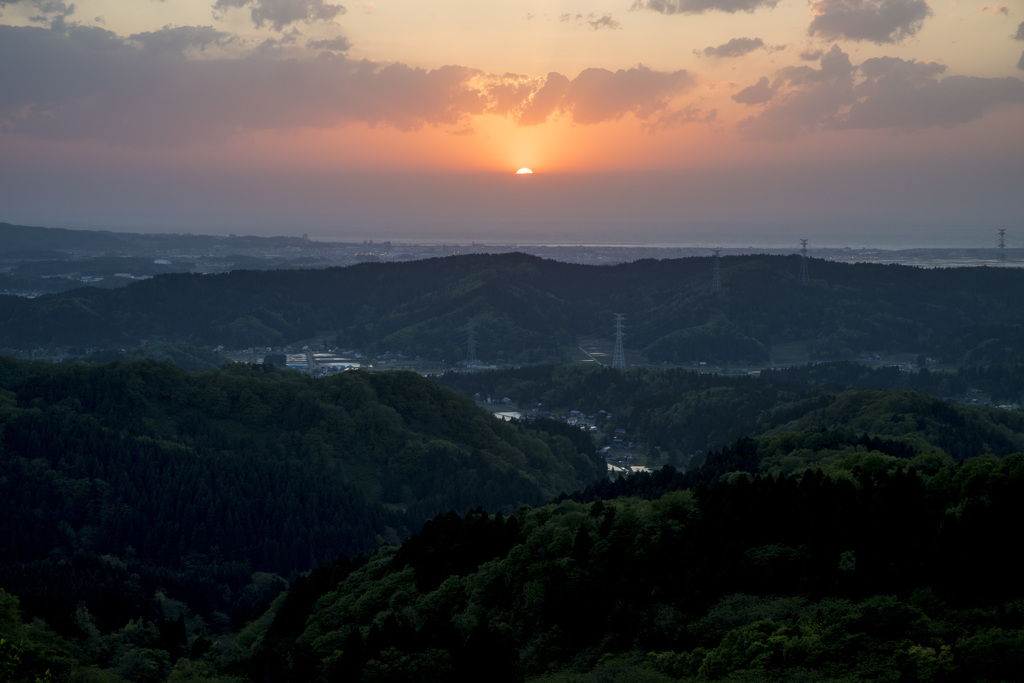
(603, 21)
(592, 20)
(997, 9)
(678, 117)
(337, 44)
(701, 6)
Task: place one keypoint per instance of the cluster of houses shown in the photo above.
(620, 453)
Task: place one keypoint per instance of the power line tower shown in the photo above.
(1002, 246)
(618, 355)
(803, 263)
(471, 360)
(716, 277)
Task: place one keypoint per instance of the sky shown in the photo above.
(892, 123)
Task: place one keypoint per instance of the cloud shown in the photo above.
(151, 90)
(759, 93)
(511, 95)
(86, 83)
(595, 22)
(281, 13)
(908, 94)
(597, 95)
(338, 44)
(997, 9)
(688, 114)
(801, 98)
(876, 21)
(50, 12)
(275, 47)
(701, 6)
(179, 39)
(1020, 36)
(545, 101)
(882, 92)
(604, 21)
(737, 47)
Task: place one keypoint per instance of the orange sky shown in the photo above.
(646, 99)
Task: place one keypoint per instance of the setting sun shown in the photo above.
(523, 171)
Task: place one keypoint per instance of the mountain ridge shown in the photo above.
(527, 309)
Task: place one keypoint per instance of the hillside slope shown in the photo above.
(256, 465)
(872, 570)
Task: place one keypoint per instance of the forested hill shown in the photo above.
(252, 465)
(527, 309)
(680, 414)
(842, 542)
(874, 568)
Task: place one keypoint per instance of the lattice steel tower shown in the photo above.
(618, 355)
(803, 262)
(716, 277)
(1002, 246)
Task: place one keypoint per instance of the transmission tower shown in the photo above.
(803, 262)
(471, 345)
(1002, 246)
(716, 278)
(618, 355)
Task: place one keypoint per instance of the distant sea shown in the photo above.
(927, 258)
(609, 254)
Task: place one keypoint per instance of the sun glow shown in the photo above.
(523, 171)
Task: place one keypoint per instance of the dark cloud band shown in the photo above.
(87, 83)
